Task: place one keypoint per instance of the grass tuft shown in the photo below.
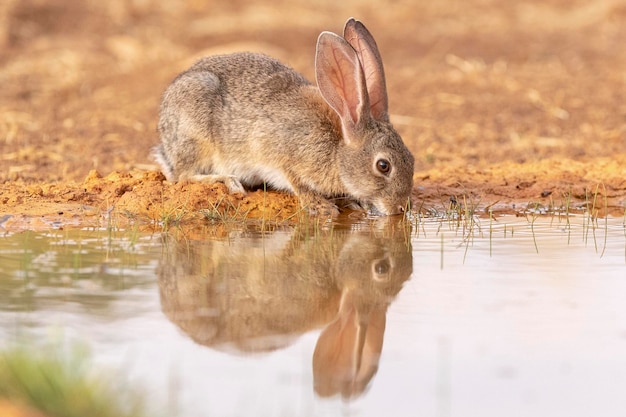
(61, 383)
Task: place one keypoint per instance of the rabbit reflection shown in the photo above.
(260, 292)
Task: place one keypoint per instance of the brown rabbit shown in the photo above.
(246, 120)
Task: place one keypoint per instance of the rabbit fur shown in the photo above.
(246, 120)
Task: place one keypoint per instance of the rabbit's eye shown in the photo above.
(383, 166)
(382, 267)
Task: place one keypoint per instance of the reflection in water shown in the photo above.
(259, 292)
(52, 270)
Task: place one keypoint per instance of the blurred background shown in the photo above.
(471, 83)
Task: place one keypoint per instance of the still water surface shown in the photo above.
(512, 317)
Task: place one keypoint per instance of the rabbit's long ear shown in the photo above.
(341, 82)
(365, 46)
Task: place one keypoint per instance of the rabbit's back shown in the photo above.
(250, 75)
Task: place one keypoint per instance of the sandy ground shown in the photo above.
(504, 104)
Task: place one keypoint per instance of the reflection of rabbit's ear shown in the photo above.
(347, 352)
(365, 46)
(341, 82)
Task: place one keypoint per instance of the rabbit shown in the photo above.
(246, 119)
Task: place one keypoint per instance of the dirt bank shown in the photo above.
(502, 104)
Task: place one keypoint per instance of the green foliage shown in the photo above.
(61, 383)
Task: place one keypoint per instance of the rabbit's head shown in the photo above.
(375, 166)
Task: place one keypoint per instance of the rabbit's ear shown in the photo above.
(341, 82)
(365, 46)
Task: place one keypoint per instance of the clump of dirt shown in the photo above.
(503, 104)
(136, 196)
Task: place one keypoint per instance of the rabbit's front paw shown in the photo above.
(318, 206)
(231, 182)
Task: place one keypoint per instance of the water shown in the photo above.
(512, 316)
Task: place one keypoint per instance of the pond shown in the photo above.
(512, 316)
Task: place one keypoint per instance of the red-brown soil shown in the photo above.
(503, 104)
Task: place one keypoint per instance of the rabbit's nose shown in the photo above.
(404, 207)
